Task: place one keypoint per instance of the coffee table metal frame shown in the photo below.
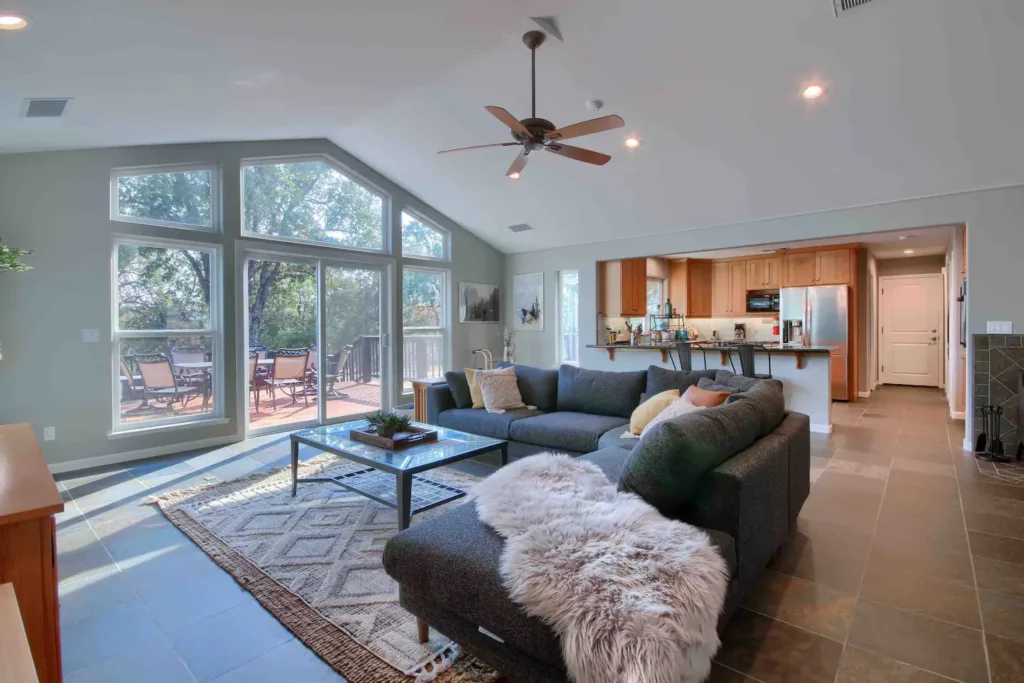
(405, 493)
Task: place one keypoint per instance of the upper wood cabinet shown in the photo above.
(634, 287)
(831, 267)
(689, 287)
(799, 270)
(765, 273)
(834, 267)
(729, 288)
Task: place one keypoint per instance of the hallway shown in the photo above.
(908, 562)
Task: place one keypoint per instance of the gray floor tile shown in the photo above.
(192, 598)
(292, 661)
(155, 662)
(122, 628)
(80, 556)
(224, 642)
(162, 568)
(126, 544)
(80, 599)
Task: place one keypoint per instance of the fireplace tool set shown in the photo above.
(990, 444)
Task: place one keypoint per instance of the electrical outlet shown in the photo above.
(49, 433)
(1000, 327)
(90, 336)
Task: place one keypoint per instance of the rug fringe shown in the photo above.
(442, 661)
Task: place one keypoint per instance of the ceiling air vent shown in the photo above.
(519, 227)
(44, 109)
(847, 5)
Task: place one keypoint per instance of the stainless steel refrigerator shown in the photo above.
(824, 313)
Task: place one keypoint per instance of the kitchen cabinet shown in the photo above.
(720, 282)
(729, 288)
(633, 298)
(690, 287)
(765, 273)
(830, 267)
(738, 288)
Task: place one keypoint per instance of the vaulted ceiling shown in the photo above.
(922, 98)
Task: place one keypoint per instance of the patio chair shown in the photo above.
(289, 374)
(335, 363)
(189, 354)
(161, 384)
(257, 380)
(131, 387)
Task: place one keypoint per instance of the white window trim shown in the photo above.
(446, 321)
(214, 170)
(445, 234)
(559, 329)
(340, 168)
(215, 332)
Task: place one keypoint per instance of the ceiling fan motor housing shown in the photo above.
(538, 129)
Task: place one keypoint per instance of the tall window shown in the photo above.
(181, 197)
(310, 200)
(424, 324)
(166, 333)
(655, 297)
(421, 240)
(569, 317)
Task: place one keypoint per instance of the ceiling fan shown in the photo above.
(533, 133)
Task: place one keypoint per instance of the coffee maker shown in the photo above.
(739, 331)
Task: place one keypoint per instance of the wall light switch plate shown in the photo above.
(1000, 327)
(49, 433)
(90, 336)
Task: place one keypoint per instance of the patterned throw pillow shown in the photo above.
(501, 393)
(474, 377)
(650, 409)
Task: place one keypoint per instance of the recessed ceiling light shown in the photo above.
(908, 251)
(632, 142)
(12, 22)
(513, 176)
(902, 237)
(813, 92)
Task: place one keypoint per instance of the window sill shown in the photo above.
(160, 429)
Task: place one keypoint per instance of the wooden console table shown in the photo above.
(419, 396)
(28, 545)
(16, 665)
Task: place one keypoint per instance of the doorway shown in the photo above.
(313, 341)
(911, 328)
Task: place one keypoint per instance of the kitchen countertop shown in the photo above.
(713, 346)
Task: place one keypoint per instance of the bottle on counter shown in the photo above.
(668, 306)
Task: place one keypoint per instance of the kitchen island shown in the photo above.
(806, 380)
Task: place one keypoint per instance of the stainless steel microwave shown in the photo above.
(762, 303)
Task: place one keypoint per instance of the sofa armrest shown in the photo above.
(747, 497)
(439, 399)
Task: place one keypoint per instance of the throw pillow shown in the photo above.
(712, 385)
(677, 409)
(473, 376)
(459, 386)
(705, 398)
(650, 409)
(501, 393)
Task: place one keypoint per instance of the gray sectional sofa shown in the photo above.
(740, 471)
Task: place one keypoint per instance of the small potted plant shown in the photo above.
(388, 424)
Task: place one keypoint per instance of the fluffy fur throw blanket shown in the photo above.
(634, 597)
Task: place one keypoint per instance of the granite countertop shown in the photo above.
(712, 346)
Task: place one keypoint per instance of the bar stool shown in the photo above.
(746, 354)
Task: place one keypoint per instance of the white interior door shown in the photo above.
(911, 319)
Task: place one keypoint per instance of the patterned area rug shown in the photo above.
(314, 561)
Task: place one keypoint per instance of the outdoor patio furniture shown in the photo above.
(289, 373)
(335, 363)
(257, 379)
(190, 354)
(160, 383)
(131, 387)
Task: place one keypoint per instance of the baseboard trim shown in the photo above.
(142, 454)
(968, 446)
(821, 429)
(957, 415)
(864, 394)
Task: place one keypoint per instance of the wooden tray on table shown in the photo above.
(410, 436)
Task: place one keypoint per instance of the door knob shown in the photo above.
(935, 338)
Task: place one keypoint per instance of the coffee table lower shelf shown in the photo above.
(421, 494)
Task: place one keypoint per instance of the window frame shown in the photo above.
(215, 331)
(386, 246)
(663, 295)
(446, 236)
(162, 169)
(560, 330)
(446, 321)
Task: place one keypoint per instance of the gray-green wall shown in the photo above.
(57, 204)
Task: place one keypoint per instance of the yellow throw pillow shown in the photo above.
(650, 409)
(472, 377)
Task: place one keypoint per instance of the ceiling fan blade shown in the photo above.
(509, 120)
(519, 164)
(579, 154)
(587, 128)
(497, 144)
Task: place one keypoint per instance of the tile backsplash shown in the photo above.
(998, 363)
(758, 329)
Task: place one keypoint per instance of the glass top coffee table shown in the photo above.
(388, 477)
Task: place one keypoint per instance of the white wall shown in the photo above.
(995, 244)
(57, 204)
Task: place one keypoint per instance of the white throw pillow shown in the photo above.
(474, 377)
(676, 409)
(501, 393)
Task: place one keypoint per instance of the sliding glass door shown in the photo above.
(313, 341)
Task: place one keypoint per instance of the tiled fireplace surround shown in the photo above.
(998, 362)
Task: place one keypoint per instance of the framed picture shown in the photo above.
(479, 303)
(528, 300)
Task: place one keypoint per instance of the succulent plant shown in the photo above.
(388, 424)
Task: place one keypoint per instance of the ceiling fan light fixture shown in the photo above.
(813, 92)
(632, 142)
(908, 252)
(513, 176)
(12, 22)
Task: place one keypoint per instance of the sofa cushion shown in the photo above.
(565, 430)
(619, 437)
(731, 379)
(459, 386)
(494, 425)
(665, 466)
(598, 392)
(538, 386)
(712, 385)
(659, 379)
(766, 395)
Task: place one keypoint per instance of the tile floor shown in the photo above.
(907, 565)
